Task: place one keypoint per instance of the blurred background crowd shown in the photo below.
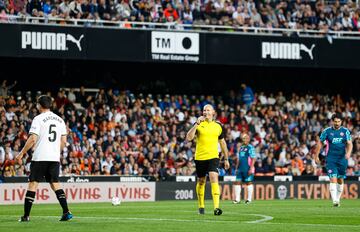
(334, 15)
(119, 132)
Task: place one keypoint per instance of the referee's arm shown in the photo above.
(191, 134)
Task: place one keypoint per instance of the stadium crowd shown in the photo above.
(114, 132)
(297, 14)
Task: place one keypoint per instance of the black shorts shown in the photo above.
(44, 169)
(203, 167)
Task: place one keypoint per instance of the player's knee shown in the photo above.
(55, 186)
(33, 186)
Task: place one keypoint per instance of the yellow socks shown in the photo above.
(200, 191)
(215, 194)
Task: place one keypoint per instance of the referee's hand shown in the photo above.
(200, 119)
(226, 164)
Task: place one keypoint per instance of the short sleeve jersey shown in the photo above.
(208, 135)
(335, 141)
(245, 155)
(49, 128)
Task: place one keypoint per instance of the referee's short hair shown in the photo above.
(336, 115)
(45, 101)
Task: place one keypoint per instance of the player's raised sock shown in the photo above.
(339, 190)
(200, 191)
(237, 193)
(250, 189)
(29, 199)
(60, 194)
(333, 192)
(215, 192)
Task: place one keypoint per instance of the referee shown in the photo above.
(209, 133)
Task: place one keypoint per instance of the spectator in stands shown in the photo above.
(4, 88)
(259, 169)
(247, 95)
(297, 166)
(75, 9)
(269, 165)
(308, 171)
(64, 9)
(170, 12)
(46, 7)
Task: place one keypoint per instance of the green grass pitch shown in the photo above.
(275, 215)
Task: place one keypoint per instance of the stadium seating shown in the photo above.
(114, 132)
(299, 14)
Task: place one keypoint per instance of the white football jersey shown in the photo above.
(49, 128)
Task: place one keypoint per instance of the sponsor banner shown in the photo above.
(70, 42)
(177, 191)
(185, 178)
(283, 178)
(175, 46)
(85, 179)
(262, 190)
(285, 51)
(80, 192)
(52, 42)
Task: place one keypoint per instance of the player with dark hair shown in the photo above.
(48, 138)
(338, 148)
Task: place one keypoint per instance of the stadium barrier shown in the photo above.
(157, 45)
(81, 192)
(263, 190)
(130, 189)
(172, 26)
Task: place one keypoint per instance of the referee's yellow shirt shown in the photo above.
(207, 139)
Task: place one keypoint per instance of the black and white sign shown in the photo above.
(175, 46)
(49, 41)
(102, 43)
(286, 51)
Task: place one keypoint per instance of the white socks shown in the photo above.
(336, 191)
(339, 190)
(250, 189)
(237, 193)
(333, 192)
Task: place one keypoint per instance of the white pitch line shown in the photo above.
(307, 224)
(213, 221)
(144, 219)
(264, 218)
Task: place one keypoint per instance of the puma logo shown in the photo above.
(308, 51)
(75, 41)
